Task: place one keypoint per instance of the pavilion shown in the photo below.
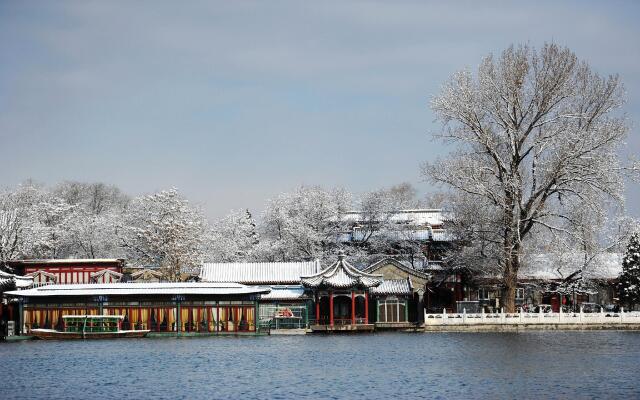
(341, 294)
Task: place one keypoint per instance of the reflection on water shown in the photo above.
(435, 365)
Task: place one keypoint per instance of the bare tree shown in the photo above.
(537, 135)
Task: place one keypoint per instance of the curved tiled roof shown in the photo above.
(8, 280)
(394, 286)
(341, 274)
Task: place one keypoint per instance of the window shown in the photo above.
(520, 293)
(483, 294)
(391, 310)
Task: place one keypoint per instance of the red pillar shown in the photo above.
(366, 307)
(353, 308)
(331, 308)
(318, 310)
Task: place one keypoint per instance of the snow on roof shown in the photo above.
(126, 289)
(10, 280)
(426, 216)
(146, 273)
(105, 272)
(341, 274)
(69, 261)
(258, 273)
(285, 293)
(553, 267)
(394, 286)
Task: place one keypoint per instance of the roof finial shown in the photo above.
(341, 255)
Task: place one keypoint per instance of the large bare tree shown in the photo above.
(537, 137)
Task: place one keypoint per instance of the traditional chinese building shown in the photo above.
(341, 294)
(70, 271)
(9, 308)
(400, 298)
(164, 308)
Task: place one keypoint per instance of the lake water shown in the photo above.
(573, 365)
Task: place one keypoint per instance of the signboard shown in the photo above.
(11, 328)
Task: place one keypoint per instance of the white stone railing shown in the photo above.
(524, 318)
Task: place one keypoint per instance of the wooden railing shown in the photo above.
(524, 318)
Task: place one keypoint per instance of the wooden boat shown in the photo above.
(90, 327)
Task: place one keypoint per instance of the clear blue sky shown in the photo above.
(235, 102)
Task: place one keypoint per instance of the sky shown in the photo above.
(236, 102)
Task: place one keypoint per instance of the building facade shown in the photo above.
(163, 308)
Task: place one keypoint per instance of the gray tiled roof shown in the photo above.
(258, 273)
(394, 286)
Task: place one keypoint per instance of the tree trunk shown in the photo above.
(511, 255)
(509, 284)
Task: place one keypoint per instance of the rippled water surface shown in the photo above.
(377, 366)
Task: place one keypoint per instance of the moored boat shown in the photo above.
(90, 327)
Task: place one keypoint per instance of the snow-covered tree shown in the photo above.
(629, 280)
(304, 224)
(17, 222)
(162, 229)
(233, 238)
(92, 226)
(538, 137)
(379, 229)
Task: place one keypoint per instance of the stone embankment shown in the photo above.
(514, 322)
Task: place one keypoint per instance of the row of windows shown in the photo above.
(488, 294)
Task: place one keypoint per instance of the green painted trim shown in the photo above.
(20, 318)
(306, 314)
(18, 338)
(256, 316)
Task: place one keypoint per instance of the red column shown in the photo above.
(331, 308)
(353, 308)
(318, 310)
(366, 307)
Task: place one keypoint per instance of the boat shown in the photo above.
(90, 327)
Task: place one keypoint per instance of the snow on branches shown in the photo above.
(163, 230)
(537, 137)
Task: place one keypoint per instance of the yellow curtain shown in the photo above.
(144, 318)
(55, 314)
(171, 320)
(184, 318)
(223, 318)
(232, 319)
(211, 318)
(134, 317)
(28, 317)
(250, 313)
(194, 317)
